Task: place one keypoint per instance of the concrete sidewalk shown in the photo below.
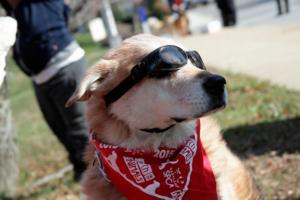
(265, 52)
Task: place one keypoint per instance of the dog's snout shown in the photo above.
(214, 84)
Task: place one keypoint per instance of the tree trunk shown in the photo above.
(8, 149)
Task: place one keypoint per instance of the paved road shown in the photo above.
(264, 12)
(262, 45)
(250, 13)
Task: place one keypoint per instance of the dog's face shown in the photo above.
(185, 94)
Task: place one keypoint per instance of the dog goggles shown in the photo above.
(159, 63)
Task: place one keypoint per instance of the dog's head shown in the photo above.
(154, 101)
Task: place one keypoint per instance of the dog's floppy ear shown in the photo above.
(94, 76)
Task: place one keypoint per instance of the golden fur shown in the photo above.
(182, 24)
(118, 124)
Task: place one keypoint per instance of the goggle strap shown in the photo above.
(120, 90)
(137, 73)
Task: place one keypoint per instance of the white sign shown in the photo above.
(8, 29)
(97, 29)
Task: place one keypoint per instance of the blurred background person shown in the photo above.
(178, 5)
(280, 6)
(179, 18)
(228, 12)
(47, 53)
(142, 14)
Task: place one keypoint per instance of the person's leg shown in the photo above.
(68, 124)
(279, 7)
(73, 116)
(228, 12)
(287, 6)
(51, 113)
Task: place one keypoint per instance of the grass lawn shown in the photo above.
(261, 124)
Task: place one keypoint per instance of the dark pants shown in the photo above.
(279, 6)
(68, 124)
(228, 12)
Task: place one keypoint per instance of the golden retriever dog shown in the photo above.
(152, 138)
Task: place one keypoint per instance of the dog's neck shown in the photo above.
(113, 131)
(173, 137)
(121, 135)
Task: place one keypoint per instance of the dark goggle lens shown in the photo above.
(196, 59)
(173, 55)
(170, 58)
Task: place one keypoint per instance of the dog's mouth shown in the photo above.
(214, 103)
(217, 103)
(215, 107)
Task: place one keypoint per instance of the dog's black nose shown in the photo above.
(214, 85)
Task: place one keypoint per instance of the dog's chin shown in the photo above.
(213, 107)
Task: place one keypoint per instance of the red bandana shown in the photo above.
(166, 173)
